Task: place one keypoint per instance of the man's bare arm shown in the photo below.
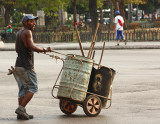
(28, 41)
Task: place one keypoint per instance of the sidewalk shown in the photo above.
(86, 45)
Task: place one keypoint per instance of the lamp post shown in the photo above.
(130, 7)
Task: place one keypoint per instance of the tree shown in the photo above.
(29, 6)
(16, 15)
(78, 6)
(93, 5)
(93, 14)
(8, 5)
(73, 2)
(151, 6)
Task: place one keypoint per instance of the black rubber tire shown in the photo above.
(67, 107)
(92, 105)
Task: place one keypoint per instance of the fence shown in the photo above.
(41, 37)
(50, 37)
(133, 35)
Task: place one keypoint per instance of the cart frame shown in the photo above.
(90, 93)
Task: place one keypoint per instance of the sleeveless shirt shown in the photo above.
(25, 55)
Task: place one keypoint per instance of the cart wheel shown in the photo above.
(92, 106)
(67, 107)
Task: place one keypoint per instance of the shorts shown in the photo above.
(26, 80)
(119, 32)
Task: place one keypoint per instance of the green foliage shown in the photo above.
(82, 6)
(151, 6)
(1, 21)
(16, 15)
(50, 7)
(100, 3)
(7, 2)
(69, 22)
(137, 2)
(27, 6)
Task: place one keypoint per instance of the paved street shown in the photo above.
(136, 89)
(98, 45)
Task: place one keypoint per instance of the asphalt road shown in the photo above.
(136, 90)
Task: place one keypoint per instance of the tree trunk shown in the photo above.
(121, 6)
(101, 15)
(93, 14)
(129, 12)
(112, 12)
(74, 10)
(6, 15)
(115, 3)
(137, 13)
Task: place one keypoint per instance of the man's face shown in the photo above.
(31, 24)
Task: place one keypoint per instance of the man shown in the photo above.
(24, 68)
(119, 27)
(80, 25)
(9, 30)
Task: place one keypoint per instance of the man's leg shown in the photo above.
(123, 37)
(20, 100)
(117, 37)
(21, 94)
(117, 42)
(27, 98)
(32, 86)
(23, 101)
(21, 111)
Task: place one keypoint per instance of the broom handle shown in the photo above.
(93, 41)
(79, 40)
(99, 65)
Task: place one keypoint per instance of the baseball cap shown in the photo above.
(117, 12)
(9, 26)
(27, 17)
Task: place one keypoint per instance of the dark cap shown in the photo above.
(27, 17)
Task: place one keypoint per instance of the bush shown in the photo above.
(1, 21)
(133, 25)
(69, 22)
(157, 24)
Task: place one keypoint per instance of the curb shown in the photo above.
(98, 47)
(1, 44)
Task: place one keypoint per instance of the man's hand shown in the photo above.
(48, 49)
(11, 71)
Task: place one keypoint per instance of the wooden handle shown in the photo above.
(79, 40)
(99, 65)
(93, 54)
(92, 43)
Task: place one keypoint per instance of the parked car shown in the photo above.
(106, 20)
(88, 20)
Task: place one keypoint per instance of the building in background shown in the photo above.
(41, 18)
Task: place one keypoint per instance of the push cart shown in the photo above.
(80, 84)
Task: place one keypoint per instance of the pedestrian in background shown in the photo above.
(155, 16)
(81, 25)
(24, 68)
(119, 21)
(9, 30)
